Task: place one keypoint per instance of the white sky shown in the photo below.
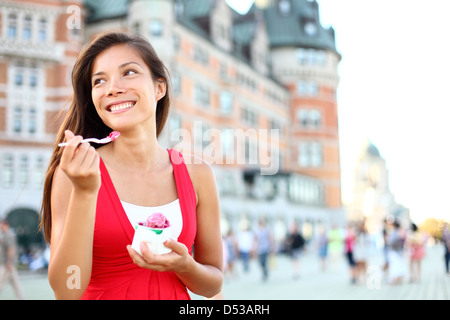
(394, 90)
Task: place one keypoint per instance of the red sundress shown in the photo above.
(114, 275)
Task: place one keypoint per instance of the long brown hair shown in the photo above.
(82, 118)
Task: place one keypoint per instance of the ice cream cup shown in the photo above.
(154, 238)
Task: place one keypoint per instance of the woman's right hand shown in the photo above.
(80, 162)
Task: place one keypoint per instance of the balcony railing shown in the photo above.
(43, 51)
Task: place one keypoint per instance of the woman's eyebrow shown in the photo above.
(120, 66)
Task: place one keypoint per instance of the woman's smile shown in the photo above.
(120, 106)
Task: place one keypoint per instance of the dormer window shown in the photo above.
(179, 9)
(310, 29)
(156, 28)
(284, 6)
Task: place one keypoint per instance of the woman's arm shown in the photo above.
(73, 200)
(202, 274)
(205, 275)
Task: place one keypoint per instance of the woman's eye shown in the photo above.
(130, 72)
(98, 81)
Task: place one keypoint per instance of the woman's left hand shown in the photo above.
(178, 260)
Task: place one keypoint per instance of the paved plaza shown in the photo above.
(331, 284)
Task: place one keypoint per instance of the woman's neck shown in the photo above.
(137, 151)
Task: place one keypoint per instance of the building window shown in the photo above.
(179, 8)
(18, 78)
(284, 6)
(201, 55)
(32, 121)
(12, 26)
(17, 119)
(33, 80)
(7, 171)
(27, 22)
(176, 42)
(249, 117)
(176, 83)
(201, 95)
(39, 172)
(156, 28)
(310, 28)
(309, 118)
(307, 88)
(23, 171)
(310, 154)
(42, 31)
(305, 191)
(312, 57)
(226, 102)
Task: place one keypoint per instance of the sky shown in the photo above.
(394, 90)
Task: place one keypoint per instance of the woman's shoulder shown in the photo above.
(200, 172)
(197, 167)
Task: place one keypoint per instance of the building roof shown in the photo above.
(287, 29)
(106, 9)
(284, 29)
(369, 149)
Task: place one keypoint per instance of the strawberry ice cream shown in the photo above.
(154, 232)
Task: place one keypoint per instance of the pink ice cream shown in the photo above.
(114, 135)
(156, 220)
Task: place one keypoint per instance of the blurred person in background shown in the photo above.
(416, 244)
(8, 259)
(322, 244)
(245, 244)
(335, 244)
(232, 248)
(361, 251)
(446, 241)
(349, 244)
(295, 244)
(263, 245)
(397, 264)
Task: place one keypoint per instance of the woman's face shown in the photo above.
(123, 90)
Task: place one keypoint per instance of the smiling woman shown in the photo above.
(94, 196)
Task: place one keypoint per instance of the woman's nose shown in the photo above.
(115, 88)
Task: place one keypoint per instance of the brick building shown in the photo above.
(254, 95)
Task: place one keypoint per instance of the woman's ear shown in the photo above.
(161, 87)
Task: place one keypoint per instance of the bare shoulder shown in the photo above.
(197, 167)
(201, 173)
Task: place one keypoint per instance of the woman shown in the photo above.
(93, 196)
(416, 244)
(397, 265)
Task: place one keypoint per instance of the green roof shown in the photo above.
(283, 30)
(288, 29)
(106, 9)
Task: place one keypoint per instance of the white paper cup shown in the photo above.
(154, 238)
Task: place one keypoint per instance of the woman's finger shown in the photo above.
(70, 149)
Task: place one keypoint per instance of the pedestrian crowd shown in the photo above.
(403, 248)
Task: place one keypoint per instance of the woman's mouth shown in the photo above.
(121, 107)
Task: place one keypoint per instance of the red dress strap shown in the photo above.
(187, 198)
